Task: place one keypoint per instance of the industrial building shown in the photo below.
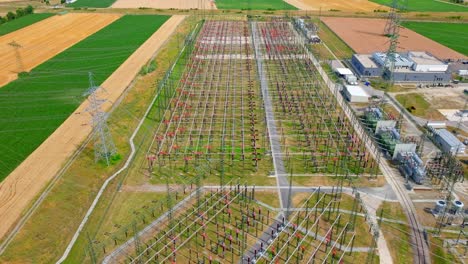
(448, 142)
(413, 66)
(355, 94)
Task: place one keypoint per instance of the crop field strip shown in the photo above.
(163, 4)
(91, 3)
(452, 35)
(214, 114)
(22, 22)
(429, 5)
(315, 135)
(33, 106)
(254, 4)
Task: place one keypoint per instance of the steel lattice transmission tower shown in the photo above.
(104, 147)
(392, 30)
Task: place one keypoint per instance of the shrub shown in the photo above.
(10, 16)
(29, 9)
(20, 12)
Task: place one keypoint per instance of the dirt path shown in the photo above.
(165, 4)
(365, 35)
(25, 182)
(347, 5)
(45, 39)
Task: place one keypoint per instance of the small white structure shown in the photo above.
(355, 94)
(344, 71)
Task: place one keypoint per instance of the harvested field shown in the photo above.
(23, 184)
(349, 5)
(365, 35)
(164, 4)
(57, 34)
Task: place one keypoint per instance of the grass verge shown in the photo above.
(334, 43)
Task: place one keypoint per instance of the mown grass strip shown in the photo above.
(33, 106)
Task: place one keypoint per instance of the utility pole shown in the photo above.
(16, 46)
(104, 147)
(392, 30)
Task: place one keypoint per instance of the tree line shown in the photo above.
(20, 12)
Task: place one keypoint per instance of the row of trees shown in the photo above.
(19, 13)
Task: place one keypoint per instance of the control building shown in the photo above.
(413, 66)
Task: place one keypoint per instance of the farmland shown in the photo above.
(22, 22)
(92, 3)
(428, 6)
(254, 4)
(354, 30)
(35, 105)
(336, 5)
(58, 34)
(163, 4)
(454, 36)
(235, 142)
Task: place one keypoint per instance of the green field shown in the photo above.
(454, 36)
(22, 22)
(33, 106)
(92, 3)
(254, 5)
(428, 6)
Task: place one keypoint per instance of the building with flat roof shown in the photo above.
(413, 66)
(355, 94)
(449, 142)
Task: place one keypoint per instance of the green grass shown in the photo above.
(92, 3)
(417, 105)
(428, 6)
(254, 5)
(22, 22)
(32, 107)
(414, 103)
(454, 36)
